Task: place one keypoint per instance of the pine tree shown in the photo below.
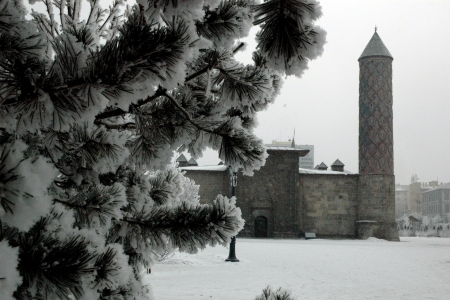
(94, 104)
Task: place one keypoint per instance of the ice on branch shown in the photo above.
(24, 184)
(9, 275)
(96, 99)
(289, 38)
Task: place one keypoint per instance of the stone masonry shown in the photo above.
(330, 205)
(280, 202)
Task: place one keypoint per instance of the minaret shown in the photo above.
(376, 148)
(293, 140)
(376, 181)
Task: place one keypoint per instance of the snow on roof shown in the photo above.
(322, 172)
(282, 148)
(440, 187)
(426, 188)
(206, 168)
(279, 144)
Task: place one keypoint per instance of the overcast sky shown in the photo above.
(323, 104)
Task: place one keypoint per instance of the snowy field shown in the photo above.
(415, 268)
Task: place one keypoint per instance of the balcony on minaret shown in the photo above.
(338, 166)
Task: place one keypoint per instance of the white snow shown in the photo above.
(415, 268)
(323, 172)
(206, 168)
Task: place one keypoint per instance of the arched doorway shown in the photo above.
(261, 227)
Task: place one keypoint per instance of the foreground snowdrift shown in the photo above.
(415, 268)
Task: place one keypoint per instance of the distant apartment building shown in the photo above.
(416, 190)
(306, 162)
(436, 201)
(402, 205)
(409, 199)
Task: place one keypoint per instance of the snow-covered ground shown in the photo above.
(415, 268)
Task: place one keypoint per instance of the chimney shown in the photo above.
(337, 166)
(182, 161)
(192, 162)
(322, 167)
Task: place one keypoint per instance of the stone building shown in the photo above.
(436, 201)
(305, 162)
(402, 200)
(282, 200)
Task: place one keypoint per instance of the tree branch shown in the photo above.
(71, 205)
(129, 125)
(196, 74)
(186, 114)
(120, 112)
(109, 114)
(159, 92)
(49, 4)
(61, 14)
(238, 47)
(94, 5)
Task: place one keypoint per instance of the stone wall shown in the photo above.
(332, 206)
(328, 204)
(212, 183)
(271, 193)
(376, 196)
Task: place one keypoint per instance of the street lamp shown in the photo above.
(232, 255)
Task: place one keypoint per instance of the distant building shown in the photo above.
(402, 200)
(307, 162)
(436, 201)
(409, 198)
(416, 197)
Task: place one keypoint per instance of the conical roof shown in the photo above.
(375, 47)
(192, 162)
(338, 163)
(182, 158)
(322, 166)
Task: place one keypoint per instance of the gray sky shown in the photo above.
(323, 105)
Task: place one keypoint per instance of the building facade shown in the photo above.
(402, 200)
(282, 200)
(306, 162)
(436, 201)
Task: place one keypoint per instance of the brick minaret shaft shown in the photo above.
(376, 148)
(376, 180)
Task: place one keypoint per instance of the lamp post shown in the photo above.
(232, 255)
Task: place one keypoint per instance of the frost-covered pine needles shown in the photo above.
(95, 101)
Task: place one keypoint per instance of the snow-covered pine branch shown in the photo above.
(95, 101)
